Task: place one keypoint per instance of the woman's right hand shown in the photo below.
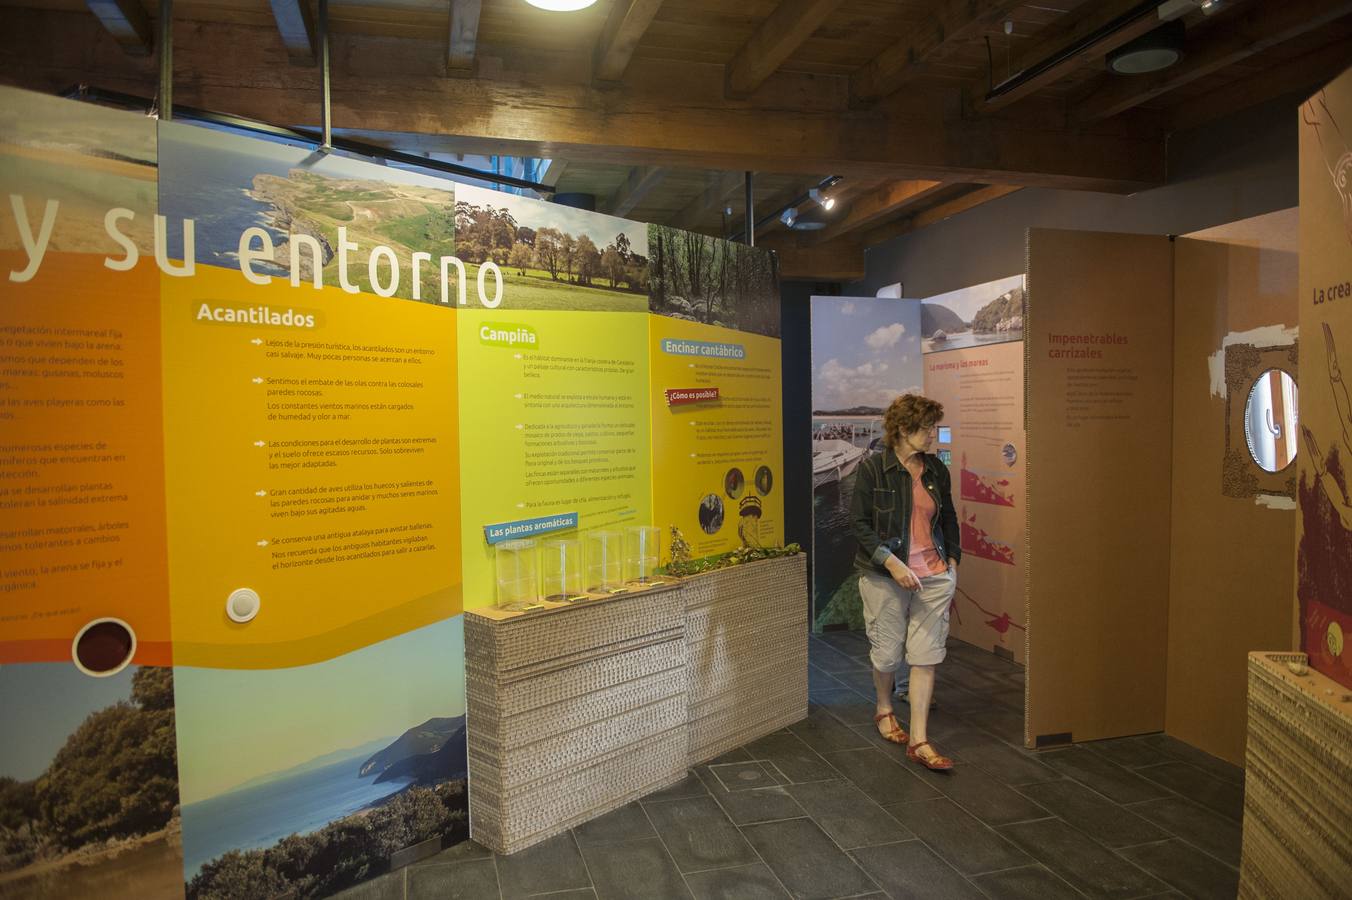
(901, 574)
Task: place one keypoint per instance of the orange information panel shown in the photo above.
(311, 468)
(81, 483)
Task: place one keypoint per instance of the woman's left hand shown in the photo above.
(953, 564)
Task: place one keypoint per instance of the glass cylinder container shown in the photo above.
(561, 562)
(517, 563)
(640, 553)
(605, 560)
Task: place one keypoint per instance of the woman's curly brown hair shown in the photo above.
(908, 413)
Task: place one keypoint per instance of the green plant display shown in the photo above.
(682, 565)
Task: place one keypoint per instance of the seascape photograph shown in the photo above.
(989, 313)
(348, 762)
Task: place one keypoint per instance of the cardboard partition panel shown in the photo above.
(1230, 590)
(1099, 344)
(1324, 526)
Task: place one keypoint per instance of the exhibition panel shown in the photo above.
(1324, 525)
(1099, 419)
(715, 392)
(248, 383)
(1234, 322)
(86, 687)
(974, 363)
(553, 394)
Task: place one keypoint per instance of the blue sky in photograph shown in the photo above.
(865, 351)
(237, 724)
(43, 703)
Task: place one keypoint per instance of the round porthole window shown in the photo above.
(1271, 414)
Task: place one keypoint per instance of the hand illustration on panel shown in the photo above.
(1337, 157)
(1333, 487)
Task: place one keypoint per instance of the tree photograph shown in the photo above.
(705, 279)
(552, 256)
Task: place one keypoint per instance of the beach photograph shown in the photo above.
(88, 160)
(865, 352)
(989, 313)
(89, 801)
(305, 781)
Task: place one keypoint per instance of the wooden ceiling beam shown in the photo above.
(947, 24)
(635, 188)
(463, 37)
(127, 22)
(796, 123)
(885, 201)
(839, 260)
(1095, 18)
(718, 187)
(620, 36)
(1249, 31)
(783, 32)
(938, 213)
(1301, 76)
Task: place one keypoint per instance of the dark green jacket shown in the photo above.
(884, 470)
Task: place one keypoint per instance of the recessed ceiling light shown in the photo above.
(1151, 52)
(561, 5)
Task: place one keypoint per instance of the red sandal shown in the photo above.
(896, 736)
(936, 763)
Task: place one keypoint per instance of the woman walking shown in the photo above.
(903, 517)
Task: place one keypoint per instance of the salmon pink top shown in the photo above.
(924, 559)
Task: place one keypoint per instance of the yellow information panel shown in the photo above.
(311, 469)
(559, 440)
(718, 457)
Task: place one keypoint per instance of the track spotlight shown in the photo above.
(789, 216)
(827, 202)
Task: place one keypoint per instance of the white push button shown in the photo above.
(242, 605)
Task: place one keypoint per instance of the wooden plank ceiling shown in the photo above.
(658, 107)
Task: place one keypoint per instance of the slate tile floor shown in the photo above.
(827, 809)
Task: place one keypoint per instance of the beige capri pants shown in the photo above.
(909, 626)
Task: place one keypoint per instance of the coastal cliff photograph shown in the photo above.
(989, 313)
(548, 256)
(348, 762)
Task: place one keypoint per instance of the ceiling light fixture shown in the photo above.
(789, 216)
(827, 202)
(561, 5)
(1151, 52)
